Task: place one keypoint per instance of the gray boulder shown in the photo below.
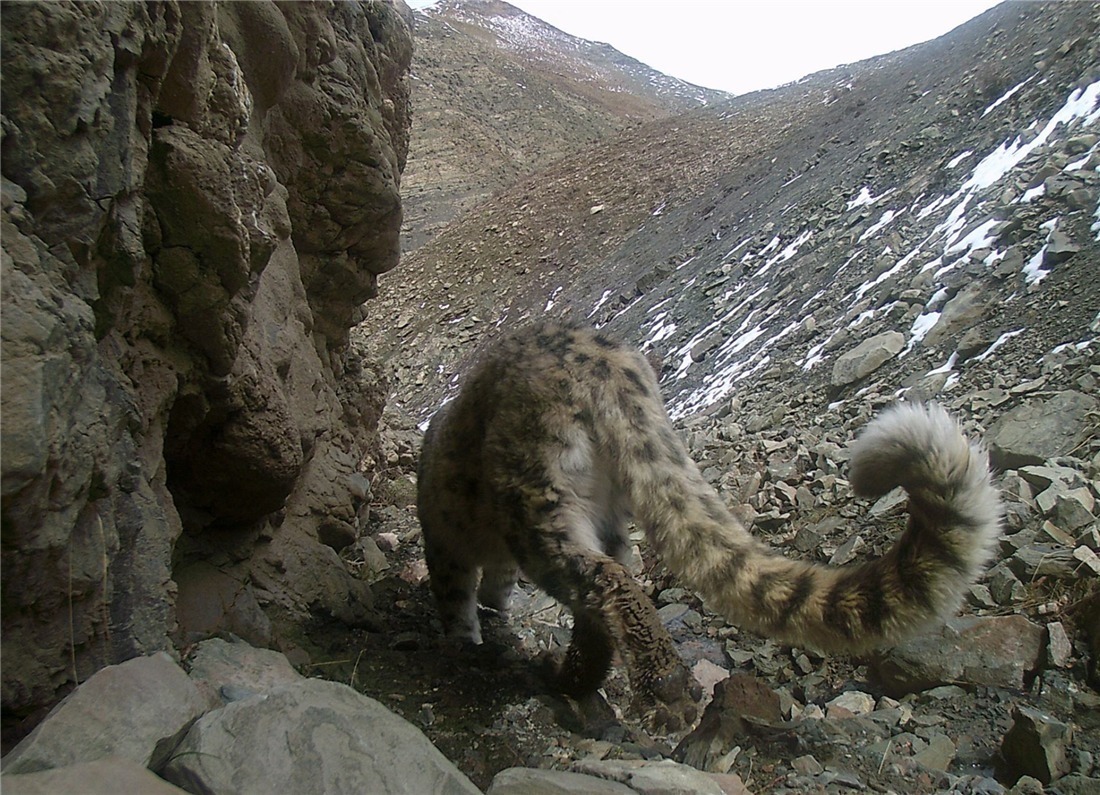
(1041, 429)
(137, 710)
(108, 776)
(1001, 651)
(867, 357)
(959, 314)
(1036, 745)
(311, 736)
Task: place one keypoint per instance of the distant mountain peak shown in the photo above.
(498, 94)
(519, 32)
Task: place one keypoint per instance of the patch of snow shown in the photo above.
(865, 199)
(931, 208)
(936, 263)
(1081, 103)
(1082, 161)
(658, 305)
(602, 300)
(847, 262)
(920, 328)
(721, 382)
(1001, 340)
(876, 227)
(813, 356)
(739, 343)
(626, 308)
(899, 265)
(978, 238)
(994, 257)
(955, 221)
(423, 426)
(1065, 346)
(743, 243)
(1033, 270)
(961, 156)
(772, 244)
(937, 298)
(1031, 194)
(811, 300)
(1008, 95)
(946, 268)
(550, 300)
(788, 251)
(947, 366)
(661, 329)
(862, 317)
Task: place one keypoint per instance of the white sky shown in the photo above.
(745, 45)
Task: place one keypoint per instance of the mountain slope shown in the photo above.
(498, 94)
(807, 218)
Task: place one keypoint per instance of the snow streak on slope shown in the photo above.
(960, 228)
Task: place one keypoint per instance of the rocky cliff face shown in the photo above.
(197, 199)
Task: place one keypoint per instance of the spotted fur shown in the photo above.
(559, 436)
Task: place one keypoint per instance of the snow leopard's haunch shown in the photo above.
(559, 436)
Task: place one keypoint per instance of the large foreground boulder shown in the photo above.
(241, 720)
(308, 737)
(138, 710)
(108, 776)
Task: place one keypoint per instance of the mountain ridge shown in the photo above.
(498, 95)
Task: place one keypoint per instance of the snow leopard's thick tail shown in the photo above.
(954, 521)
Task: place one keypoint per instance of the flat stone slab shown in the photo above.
(663, 777)
(1001, 651)
(1041, 429)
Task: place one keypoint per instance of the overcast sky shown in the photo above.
(744, 45)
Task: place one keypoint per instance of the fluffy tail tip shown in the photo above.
(918, 446)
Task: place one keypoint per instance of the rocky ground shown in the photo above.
(936, 715)
(920, 226)
(1003, 695)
